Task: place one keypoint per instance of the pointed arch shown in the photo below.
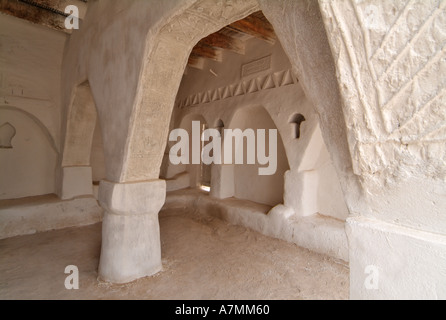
(166, 61)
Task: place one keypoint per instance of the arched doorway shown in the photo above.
(169, 55)
(166, 58)
(228, 88)
(248, 184)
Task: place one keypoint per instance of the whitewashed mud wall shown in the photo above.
(31, 61)
(390, 61)
(391, 65)
(30, 113)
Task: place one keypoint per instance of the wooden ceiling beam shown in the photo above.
(257, 26)
(208, 52)
(233, 38)
(223, 41)
(195, 61)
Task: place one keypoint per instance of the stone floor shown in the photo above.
(203, 258)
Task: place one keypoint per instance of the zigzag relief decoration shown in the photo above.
(393, 67)
(265, 82)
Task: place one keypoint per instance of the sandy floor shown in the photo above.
(203, 258)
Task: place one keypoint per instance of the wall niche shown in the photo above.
(7, 133)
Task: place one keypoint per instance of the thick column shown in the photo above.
(388, 261)
(131, 246)
(76, 181)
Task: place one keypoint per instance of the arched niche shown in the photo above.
(248, 183)
(81, 122)
(83, 159)
(28, 167)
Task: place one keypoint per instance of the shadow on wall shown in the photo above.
(27, 166)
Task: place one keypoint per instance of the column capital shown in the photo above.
(134, 198)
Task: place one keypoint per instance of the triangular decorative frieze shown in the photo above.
(264, 82)
(239, 90)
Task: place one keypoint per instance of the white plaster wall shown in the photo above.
(31, 59)
(390, 62)
(391, 70)
(314, 186)
(393, 262)
(28, 168)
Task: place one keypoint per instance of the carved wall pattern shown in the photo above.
(391, 60)
(205, 15)
(264, 82)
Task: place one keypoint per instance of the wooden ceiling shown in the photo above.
(232, 38)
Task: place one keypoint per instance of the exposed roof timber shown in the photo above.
(255, 25)
(233, 38)
(44, 6)
(195, 61)
(223, 41)
(50, 13)
(33, 14)
(62, 4)
(206, 51)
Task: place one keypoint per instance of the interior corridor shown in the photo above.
(295, 148)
